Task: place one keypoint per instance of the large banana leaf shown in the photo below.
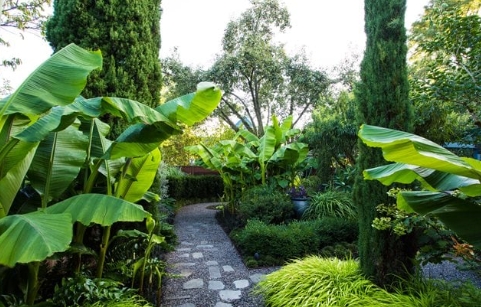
(134, 112)
(403, 147)
(33, 237)
(429, 178)
(291, 154)
(195, 107)
(57, 81)
(15, 158)
(99, 209)
(460, 215)
(12, 180)
(437, 169)
(57, 162)
(210, 157)
(140, 139)
(138, 175)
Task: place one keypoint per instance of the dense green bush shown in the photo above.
(316, 281)
(265, 245)
(331, 204)
(266, 204)
(196, 187)
(80, 290)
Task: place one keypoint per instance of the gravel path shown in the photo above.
(209, 270)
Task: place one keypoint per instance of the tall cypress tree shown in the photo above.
(382, 100)
(127, 33)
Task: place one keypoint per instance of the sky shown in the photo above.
(327, 30)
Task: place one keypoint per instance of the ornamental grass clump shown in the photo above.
(322, 282)
(316, 281)
(331, 204)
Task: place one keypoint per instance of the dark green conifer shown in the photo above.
(382, 100)
(127, 33)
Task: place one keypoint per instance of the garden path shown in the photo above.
(209, 271)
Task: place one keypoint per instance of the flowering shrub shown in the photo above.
(297, 192)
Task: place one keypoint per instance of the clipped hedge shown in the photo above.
(196, 187)
(266, 204)
(267, 245)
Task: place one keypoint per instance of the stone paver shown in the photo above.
(194, 284)
(214, 272)
(230, 295)
(227, 268)
(216, 285)
(241, 284)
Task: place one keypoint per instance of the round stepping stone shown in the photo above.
(222, 304)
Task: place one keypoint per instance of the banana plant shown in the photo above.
(49, 135)
(451, 185)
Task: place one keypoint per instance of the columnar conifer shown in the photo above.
(382, 100)
(127, 33)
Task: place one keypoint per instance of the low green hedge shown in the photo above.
(196, 187)
(266, 204)
(270, 245)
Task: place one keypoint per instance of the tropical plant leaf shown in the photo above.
(403, 147)
(138, 140)
(138, 176)
(57, 162)
(460, 215)
(99, 209)
(134, 112)
(57, 81)
(195, 107)
(430, 179)
(33, 237)
(11, 181)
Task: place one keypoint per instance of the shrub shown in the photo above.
(275, 244)
(80, 290)
(331, 204)
(335, 230)
(266, 204)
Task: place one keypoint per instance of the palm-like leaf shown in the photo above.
(99, 209)
(138, 176)
(33, 237)
(460, 215)
(57, 162)
(403, 147)
(195, 107)
(57, 81)
(438, 170)
(140, 139)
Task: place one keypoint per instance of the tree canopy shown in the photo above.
(257, 76)
(445, 71)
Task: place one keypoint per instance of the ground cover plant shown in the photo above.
(54, 143)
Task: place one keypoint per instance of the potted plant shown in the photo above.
(299, 198)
